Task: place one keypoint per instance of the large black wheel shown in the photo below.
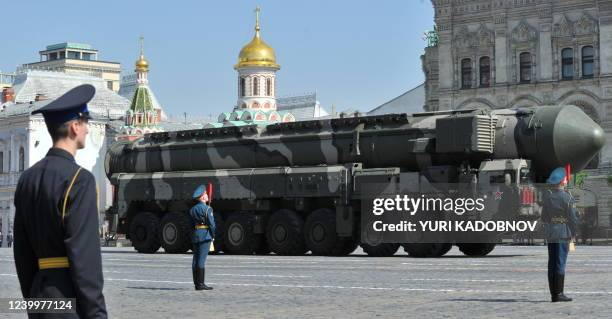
(284, 233)
(476, 249)
(380, 250)
(427, 250)
(238, 234)
(144, 233)
(175, 232)
(320, 234)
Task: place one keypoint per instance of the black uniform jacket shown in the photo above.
(40, 231)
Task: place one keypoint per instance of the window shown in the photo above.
(255, 86)
(269, 87)
(485, 71)
(567, 64)
(525, 67)
(242, 86)
(21, 159)
(109, 85)
(466, 73)
(587, 62)
(73, 55)
(62, 55)
(1, 162)
(53, 56)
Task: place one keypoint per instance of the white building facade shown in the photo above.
(522, 53)
(24, 139)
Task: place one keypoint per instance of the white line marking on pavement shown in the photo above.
(369, 268)
(366, 288)
(466, 280)
(151, 281)
(117, 272)
(263, 259)
(12, 275)
(278, 262)
(271, 276)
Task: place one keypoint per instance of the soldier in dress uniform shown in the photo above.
(560, 223)
(203, 235)
(57, 245)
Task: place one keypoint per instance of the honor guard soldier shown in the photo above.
(57, 245)
(560, 223)
(203, 235)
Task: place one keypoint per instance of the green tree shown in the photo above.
(580, 178)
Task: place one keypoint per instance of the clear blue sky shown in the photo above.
(355, 54)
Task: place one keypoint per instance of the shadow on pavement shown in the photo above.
(134, 252)
(156, 288)
(477, 257)
(498, 300)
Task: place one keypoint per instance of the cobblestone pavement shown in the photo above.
(509, 283)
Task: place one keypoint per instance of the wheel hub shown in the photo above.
(318, 233)
(280, 233)
(170, 233)
(236, 233)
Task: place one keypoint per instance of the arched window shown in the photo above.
(466, 73)
(587, 62)
(21, 159)
(255, 86)
(242, 86)
(485, 71)
(269, 87)
(567, 64)
(525, 67)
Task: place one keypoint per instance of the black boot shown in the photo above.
(560, 284)
(552, 286)
(202, 275)
(195, 277)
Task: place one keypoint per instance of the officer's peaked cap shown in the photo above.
(199, 191)
(557, 176)
(70, 106)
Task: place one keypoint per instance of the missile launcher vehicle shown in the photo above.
(290, 188)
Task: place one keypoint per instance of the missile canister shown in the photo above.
(549, 136)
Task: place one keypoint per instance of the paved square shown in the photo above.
(509, 283)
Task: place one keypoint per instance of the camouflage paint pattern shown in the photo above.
(317, 158)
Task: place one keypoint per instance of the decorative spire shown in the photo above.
(257, 11)
(141, 47)
(142, 65)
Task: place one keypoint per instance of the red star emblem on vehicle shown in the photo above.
(498, 195)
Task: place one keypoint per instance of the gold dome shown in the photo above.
(257, 53)
(142, 65)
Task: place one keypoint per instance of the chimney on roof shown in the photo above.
(8, 95)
